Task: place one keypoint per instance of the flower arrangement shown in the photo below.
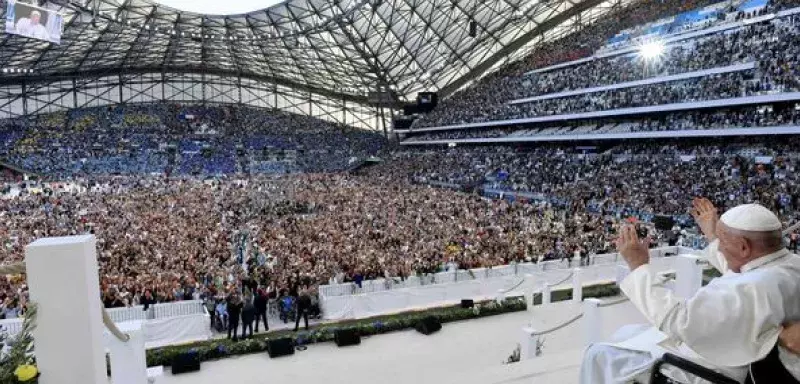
(515, 356)
(17, 364)
(539, 346)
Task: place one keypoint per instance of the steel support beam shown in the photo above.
(267, 79)
(540, 29)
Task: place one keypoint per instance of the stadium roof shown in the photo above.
(216, 7)
(339, 48)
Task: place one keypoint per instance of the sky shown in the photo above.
(217, 7)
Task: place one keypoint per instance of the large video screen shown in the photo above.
(34, 22)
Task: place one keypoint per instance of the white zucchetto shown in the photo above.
(751, 217)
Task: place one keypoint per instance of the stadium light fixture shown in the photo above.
(652, 50)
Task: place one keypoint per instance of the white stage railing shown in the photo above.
(120, 315)
(179, 308)
(164, 324)
(688, 269)
(518, 269)
(11, 326)
(351, 302)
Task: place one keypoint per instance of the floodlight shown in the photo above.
(652, 50)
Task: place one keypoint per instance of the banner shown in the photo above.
(763, 159)
(34, 22)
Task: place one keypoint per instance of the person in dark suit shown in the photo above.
(148, 299)
(248, 314)
(234, 312)
(303, 305)
(260, 303)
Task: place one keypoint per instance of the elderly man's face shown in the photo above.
(736, 249)
(35, 18)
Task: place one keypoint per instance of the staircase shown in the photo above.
(243, 162)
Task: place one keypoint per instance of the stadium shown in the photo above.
(430, 191)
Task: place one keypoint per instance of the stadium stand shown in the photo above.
(768, 44)
(149, 139)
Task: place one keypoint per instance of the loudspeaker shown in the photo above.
(428, 325)
(280, 347)
(467, 303)
(346, 337)
(663, 223)
(410, 109)
(185, 362)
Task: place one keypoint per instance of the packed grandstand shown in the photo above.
(532, 162)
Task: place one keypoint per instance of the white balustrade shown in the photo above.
(519, 269)
(688, 280)
(622, 273)
(528, 268)
(577, 285)
(688, 275)
(527, 346)
(127, 358)
(178, 308)
(546, 295)
(529, 291)
(592, 321)
(127, 314)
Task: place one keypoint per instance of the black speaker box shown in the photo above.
(346, 337)
(428, 325)
(185, 362)
(467, 303)
(663, 223)
(280, 347)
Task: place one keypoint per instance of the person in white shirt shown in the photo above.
(730, 323)
(31, 27)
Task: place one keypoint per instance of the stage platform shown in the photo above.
(461, 353)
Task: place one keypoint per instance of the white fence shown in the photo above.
(517, 269)
(157, 311)
(12, 326)
(346, 301)
(164, 324)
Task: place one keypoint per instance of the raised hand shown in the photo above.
(706, 216)
(635, 251)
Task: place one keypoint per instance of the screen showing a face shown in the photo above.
(33, 22)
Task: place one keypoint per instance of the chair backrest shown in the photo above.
(770, 370)
(689, 367)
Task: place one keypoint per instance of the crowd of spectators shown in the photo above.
(744, 117)
(178, 139)
(773, 46)
(163, 239)
(754, 42)
(652, 178)
(176, 236)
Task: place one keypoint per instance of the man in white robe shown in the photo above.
(32, 27)
(728, 324)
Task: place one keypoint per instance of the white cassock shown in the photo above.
(25, 27)
(728, 324)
